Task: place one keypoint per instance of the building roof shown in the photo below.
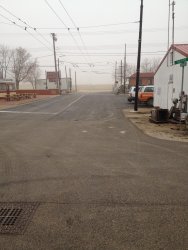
(180, 48)
(144, 75)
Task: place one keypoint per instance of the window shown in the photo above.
(171, 58)
(148, 89)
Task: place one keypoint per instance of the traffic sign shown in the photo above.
(181, 61)
(183, 64)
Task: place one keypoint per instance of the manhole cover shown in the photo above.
(14, 217)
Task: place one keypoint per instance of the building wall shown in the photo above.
(144, 81)
(167, 82)
(41, 84)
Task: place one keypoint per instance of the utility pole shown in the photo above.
(75, 83)
(173, 17)
(139, 57)
(70, 79)
(125, 62)
(168, 45)
(54, 40)
(115, 72)
(66, 77)
(59, 77)
(46, 80)
(121, 73)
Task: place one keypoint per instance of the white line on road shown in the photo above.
(122, 132)
(68, 106)
(42, 113)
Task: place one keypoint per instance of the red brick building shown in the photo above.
(145, 79)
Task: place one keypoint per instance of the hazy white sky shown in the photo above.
(101, 45)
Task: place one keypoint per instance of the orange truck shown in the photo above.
(145, 95)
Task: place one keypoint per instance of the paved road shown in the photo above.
(100, 182)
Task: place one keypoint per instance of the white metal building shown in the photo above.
(168, 77)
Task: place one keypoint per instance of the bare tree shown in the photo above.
(34, 75)
(5, 58)
(130, 69)
(22, 65)
(150, 65)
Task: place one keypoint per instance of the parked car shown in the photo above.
(145, 95)
(131, 93)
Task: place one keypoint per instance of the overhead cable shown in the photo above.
(66, 27)
(90, 27)
(25, 29)
(25, 23)
(73, 22)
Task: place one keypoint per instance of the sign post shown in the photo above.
(183, 63)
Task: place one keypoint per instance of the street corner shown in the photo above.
(163, 131)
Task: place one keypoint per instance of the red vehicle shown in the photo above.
(145, 95)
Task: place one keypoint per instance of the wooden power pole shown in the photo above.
(139, 57)
(54, 40)
(125, 62)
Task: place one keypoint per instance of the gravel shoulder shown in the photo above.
(164, 131)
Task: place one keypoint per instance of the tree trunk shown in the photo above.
(17, 85)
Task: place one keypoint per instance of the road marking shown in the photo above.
(110, 127)
(42, 113)
(68, 106)
(84, 131)
(23, 112)
(122, 132)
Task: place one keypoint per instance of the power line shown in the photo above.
(66, 27)
(12, 22)
(25, 29)
(73, 22)
(25, 23)
(68, 14)
(44, 56)
(115, 53)
(91, 27)
(107, 25)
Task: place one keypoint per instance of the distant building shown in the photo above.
(43, 84)
(6, 84)
(145, 79)
(168, 77)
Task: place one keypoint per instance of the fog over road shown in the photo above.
(100, 182)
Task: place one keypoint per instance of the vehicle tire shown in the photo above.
(150, 102)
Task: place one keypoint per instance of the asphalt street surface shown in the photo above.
(100, 182)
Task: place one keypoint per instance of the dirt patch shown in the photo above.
(165, 131)
(10, 104)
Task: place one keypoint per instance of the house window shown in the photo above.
(150, 82)
(149, 89)
(170, 78)
(171, 58)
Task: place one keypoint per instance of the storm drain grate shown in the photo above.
(15, 217)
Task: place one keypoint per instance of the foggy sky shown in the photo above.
(98, 46)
